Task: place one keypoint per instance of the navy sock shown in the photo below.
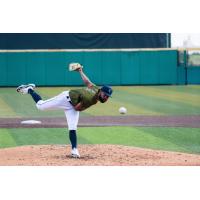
(36, 97)
(73, 138)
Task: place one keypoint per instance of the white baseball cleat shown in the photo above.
(24, 88)
(75, 153)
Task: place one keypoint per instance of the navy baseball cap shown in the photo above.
(107, 90)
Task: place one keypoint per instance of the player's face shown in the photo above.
(103, 97)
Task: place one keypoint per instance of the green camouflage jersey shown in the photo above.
(87, 96)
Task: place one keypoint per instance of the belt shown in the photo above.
(69, 100)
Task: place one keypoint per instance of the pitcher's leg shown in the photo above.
(72, 120)
(73, 138)
(36, 97)
(58, 102)
(49, 104)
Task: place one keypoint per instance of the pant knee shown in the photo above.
(40, 106)
(72, 127)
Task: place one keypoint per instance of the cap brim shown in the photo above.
(109, 95)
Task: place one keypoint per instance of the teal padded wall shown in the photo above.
(35, 68)
(16, 72)
(188, 74)
(130, 73)
(167, 67)
(93, 66)
(111, 68)
(181, 75)
(3, 70)
(149, 67)
(193, 75)
(102, 67)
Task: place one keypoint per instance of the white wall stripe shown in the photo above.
(84, 50)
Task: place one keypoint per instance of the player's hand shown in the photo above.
(75, 66)
(79, 69)
(78, 107)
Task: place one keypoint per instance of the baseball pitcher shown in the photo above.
(72, 102)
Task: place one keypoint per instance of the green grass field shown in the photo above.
(139, 100)
(172, 139)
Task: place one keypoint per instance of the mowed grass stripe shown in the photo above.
(6, 110)
(39, 136)
(163, 93)
(137, 137)
(170, 139)
(156, 104)
(111, 108)
(137, 104)
(194, 87)
(185, 89)
(185, 138)
(6, 139)
(21, 104)
(191, 99)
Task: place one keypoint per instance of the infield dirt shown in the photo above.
(94, 155)
(192, 121)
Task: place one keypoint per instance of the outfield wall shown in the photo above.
(124, 67)
(193, 75)
(83, 40)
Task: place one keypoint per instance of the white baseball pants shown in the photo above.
(62, 101)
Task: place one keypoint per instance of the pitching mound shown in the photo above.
(102, 155)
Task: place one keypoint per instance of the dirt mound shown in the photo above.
(93, 155)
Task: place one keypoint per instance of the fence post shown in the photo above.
(186, 66)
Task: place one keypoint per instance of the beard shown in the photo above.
(101, 99)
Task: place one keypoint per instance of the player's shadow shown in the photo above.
(83, 157)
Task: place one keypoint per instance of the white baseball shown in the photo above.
(122, 110)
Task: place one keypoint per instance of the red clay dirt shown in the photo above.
(93, 155)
